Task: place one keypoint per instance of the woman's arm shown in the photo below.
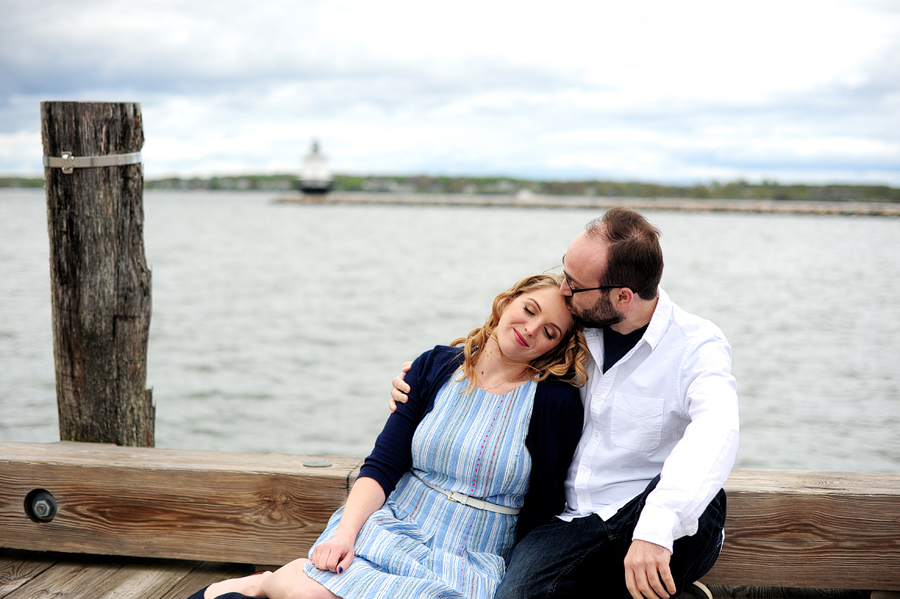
(391, 458)
(336, 554)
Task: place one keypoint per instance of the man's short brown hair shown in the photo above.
(635, 257)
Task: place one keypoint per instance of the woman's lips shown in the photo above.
(520, 339)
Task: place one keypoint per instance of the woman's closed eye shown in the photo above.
(549, 332)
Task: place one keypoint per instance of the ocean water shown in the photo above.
(278, 327)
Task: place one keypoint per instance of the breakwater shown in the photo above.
(529, 200)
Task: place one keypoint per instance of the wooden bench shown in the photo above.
(784, 528)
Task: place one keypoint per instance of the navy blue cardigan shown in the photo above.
(553, 434)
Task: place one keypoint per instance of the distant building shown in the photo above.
(315, 177)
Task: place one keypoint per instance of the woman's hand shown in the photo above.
(334, 555)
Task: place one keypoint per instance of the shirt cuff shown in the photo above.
(656, 525)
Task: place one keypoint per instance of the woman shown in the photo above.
(492, 422)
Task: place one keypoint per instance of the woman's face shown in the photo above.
(533, 324)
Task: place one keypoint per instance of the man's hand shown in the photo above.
(647, 572)
(400, 389)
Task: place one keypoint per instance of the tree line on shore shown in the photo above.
(767, 190)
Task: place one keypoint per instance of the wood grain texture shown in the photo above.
(34, 575)
(811, 529)
(743, 592)
(17, 568)
(785, 529)
(141, 578)
(246, 508)
(100, 282)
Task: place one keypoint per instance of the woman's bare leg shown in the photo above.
(287, 582)
(291, 582)
(248, 585)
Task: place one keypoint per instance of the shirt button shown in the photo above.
(596, 434)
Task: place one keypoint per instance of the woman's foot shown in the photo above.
(247, 585)
(290, 581)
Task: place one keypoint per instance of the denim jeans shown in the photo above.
(585, 557)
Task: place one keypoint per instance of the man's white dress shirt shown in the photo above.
(668, 406)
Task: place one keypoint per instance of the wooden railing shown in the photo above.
(784, 528)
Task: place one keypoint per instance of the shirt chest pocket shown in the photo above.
(636, 422)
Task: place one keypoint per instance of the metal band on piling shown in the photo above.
(67, 162)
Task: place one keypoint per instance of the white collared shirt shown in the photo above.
(668, 406)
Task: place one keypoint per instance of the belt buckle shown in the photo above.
(458, 497)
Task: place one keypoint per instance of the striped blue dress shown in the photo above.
(420, 544)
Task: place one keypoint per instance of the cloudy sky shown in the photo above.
(654, 90)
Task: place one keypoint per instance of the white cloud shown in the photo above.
(651, 90)
(20, 152)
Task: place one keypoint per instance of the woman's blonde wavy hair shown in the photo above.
(567, 360)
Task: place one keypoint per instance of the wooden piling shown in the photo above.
(99, 278)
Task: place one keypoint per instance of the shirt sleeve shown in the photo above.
(392, 456)
(701, 461)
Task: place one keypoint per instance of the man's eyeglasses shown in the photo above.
(575, 290)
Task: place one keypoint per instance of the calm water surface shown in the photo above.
(277, 327)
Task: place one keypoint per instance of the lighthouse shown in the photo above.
(315, 178)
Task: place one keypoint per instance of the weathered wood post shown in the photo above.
(99, 278)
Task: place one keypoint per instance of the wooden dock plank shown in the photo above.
(73, 579)
(786, 529)
(168, 503)
(38, 575)
(17, 568)
(811, 529)
(168, 579)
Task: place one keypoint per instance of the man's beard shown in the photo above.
(599, 316)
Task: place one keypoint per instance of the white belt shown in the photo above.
(473, 502)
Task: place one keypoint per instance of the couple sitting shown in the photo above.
(588, 462)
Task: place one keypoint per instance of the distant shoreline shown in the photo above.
(505, 187)
(592, 202)
(589, 202)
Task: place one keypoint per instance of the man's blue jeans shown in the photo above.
(585, 557)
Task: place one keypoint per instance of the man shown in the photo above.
(645, 507)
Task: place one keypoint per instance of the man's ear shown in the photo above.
(623, 297)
